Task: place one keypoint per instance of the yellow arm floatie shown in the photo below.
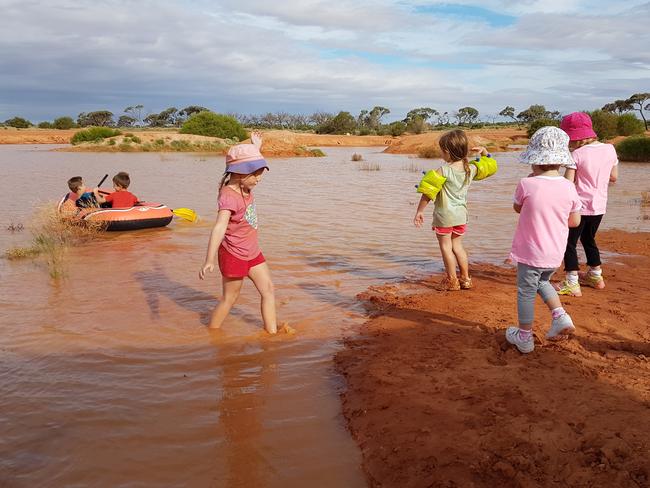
(485, 166)
(431, 184)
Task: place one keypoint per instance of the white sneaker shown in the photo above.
(562, 325)
(524, 345)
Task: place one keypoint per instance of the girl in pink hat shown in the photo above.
(595, 167)
(233, 241)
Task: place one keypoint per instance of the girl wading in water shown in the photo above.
(234, 236)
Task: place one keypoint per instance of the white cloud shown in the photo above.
(64, 56)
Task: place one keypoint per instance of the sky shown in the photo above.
(63, 57)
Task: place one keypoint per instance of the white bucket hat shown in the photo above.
(549, 145)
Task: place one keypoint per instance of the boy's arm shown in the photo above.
(218, 231)
(418, 220)
(570, 174)
(98, 196)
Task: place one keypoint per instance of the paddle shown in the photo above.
(103, 180)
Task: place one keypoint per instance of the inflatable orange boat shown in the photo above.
(143, 215)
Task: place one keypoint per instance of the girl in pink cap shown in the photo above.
(596, 166)
(233, 240)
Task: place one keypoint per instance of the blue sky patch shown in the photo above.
(468, 12)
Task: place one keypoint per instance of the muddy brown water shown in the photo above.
(110, 377)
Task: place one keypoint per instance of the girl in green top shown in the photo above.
(450, 212)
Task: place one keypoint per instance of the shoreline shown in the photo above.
(277, 143)
(436, 397)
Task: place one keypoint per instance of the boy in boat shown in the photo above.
(79, 196)
(121, 197)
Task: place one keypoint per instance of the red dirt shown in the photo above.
(436, 398)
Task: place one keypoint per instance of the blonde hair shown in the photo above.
(456, 145)
(573, 145)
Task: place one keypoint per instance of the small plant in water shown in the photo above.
(53, 235)
(412, 168)
(369, 166)
(15, 227)
(645, 199)
(357, 157)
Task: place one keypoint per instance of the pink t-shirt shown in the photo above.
(543, 228)
(240, 239)
(593, 165)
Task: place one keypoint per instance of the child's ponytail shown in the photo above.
(224, 181)
(468, 170)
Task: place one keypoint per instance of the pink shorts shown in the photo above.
(233, 267)
(459, 230)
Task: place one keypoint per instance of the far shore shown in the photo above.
(277, 143)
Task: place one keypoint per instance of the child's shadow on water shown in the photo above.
(156, 283)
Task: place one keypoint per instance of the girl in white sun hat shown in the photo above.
(233, 240)
(548, 205)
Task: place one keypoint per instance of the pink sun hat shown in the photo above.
(244, 159)
(578, 126)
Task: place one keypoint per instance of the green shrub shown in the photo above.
(366, 131)
(18, 123)
(537, 124)
(45, 125)
(214, 125)
(159, 142)
(63, 123)
(317, 153)
(629, 125)
(93, 134)
(397, 128)
(126, 147)
(343, 123)
(605, 124)
(136, 139)
(635, 148)
(111, 142)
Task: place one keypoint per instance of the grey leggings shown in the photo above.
(530, 282)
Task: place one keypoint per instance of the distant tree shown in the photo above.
(466, 115)
(363, 119)
(18, 123)
(509, 112)
(534, 112)
(376, 115)
(135, 111)
(45, 125)
(187, 112)
(443, 118)
(126, 121)
(342, 123)
(425, 113)
(416, 124)
(320, 118)
(100, 118)
(63, 123)
(166, 118)
(618, 106)
(637, 102)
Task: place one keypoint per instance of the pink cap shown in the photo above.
(244, 159)
(578, 126)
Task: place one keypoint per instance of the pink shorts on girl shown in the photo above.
(233, 267)
(459, 230)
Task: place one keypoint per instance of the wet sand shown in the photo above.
(435, 397)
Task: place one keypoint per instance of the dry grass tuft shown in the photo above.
(412, 168)
(429, 152)
(369, 166)
(52, 236)
(357, 157)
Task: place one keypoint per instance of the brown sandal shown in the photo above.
(466, 284)
(449, 284)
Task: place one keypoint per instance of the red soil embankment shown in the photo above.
(436, 398)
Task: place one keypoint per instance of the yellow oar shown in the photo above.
(186, 213)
